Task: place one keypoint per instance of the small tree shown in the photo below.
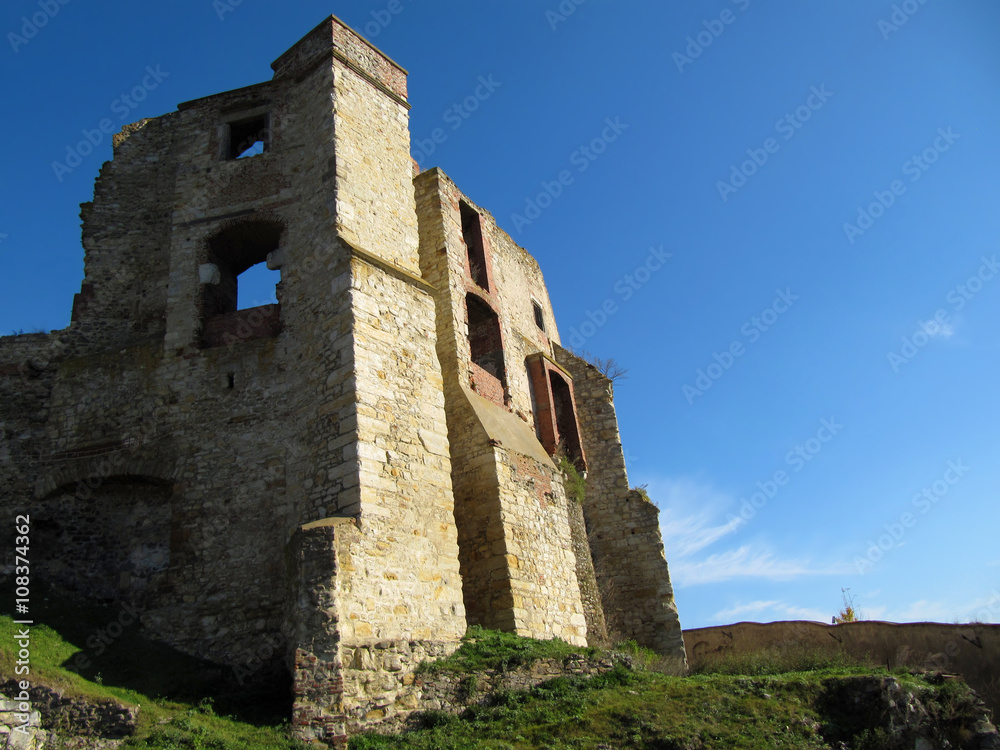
(608, 367)
(849, 613)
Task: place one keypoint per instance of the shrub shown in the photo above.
(576, 485)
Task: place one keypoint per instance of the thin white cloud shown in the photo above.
(983, 609)
(689, 513)
(805, 613)
(740, 610)
(743, 562)
(943, 331)
(875, 613)
(690, 521)
(684, 536)
(924, 611)
(781, 611)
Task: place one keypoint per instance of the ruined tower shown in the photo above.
(355, 473)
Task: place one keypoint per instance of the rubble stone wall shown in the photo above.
(623, 526)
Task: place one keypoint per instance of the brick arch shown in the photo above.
(100, 468)
(266, 216)
(103, 528)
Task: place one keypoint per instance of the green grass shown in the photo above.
(484, 649)
(628, 709)
(792, 699)
(576, 485)
(782, 659)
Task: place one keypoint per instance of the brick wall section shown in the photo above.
(242, 325)
(486, 384)
(541, 369)
(313, 627)
(623, 527)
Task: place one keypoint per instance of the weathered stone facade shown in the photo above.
(357, 472)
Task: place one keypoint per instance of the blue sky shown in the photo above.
(822, 175)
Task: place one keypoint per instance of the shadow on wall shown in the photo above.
(972, 651)
(108, 644)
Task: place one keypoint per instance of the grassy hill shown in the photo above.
(798, 701)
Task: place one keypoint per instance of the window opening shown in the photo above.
(539, 316)
(234, 251)
(257, 286)
(472, 234)
(485, 341)
(249, 137)
(562, 404)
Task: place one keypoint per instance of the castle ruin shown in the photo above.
(358, 472)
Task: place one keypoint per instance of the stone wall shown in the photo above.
(519, 568)
(623, 526)
(58, 721)
(105, 718)
(347, 472)
(453, 693)
(972, 650)
(590, 594)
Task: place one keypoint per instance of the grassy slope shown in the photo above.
(792, 700)
(178, 696)
(763, 706)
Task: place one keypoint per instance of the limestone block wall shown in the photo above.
(541, 564)
(399, 586)
(475, 488)
(623, 527)
(217, 453)
(590, 594)
(374, 186)
(409, 587)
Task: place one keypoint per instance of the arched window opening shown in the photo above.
(106, 538)
(241, 289)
